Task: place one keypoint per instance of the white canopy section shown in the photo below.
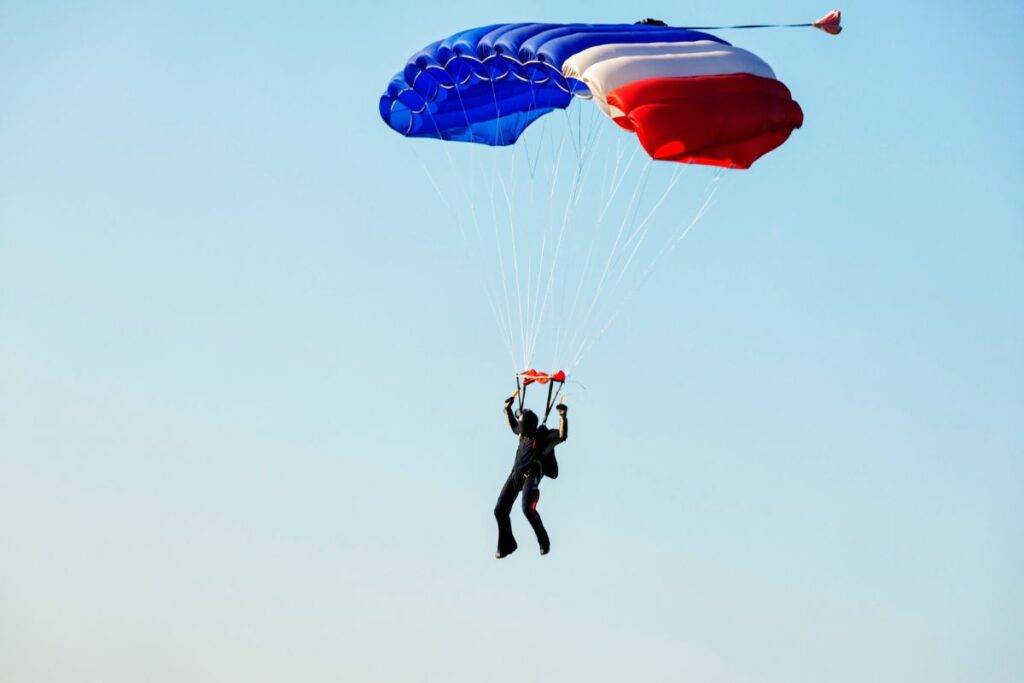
(603, 68)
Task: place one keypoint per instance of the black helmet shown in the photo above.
(528, 422)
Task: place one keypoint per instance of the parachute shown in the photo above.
(563, 218)
(688, 95)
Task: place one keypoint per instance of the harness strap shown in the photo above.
(551, 400)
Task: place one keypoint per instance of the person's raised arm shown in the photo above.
(563, 422)
(513, 423)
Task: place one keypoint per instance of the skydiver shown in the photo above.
(534, 459)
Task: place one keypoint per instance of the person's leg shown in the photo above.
(531, 496)
(506, 541)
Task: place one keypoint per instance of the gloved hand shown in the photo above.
(510, 400)
(562, 409)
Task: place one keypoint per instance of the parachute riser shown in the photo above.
(548, 403)
(830, 24)
(521, 393)
(525, 379)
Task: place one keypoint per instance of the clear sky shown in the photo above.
(250, 396)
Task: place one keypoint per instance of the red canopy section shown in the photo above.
(728, 120)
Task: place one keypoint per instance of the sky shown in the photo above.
(250, 396)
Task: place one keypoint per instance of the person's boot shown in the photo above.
(545, 549)
(506, 552)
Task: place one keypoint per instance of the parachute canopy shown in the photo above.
(689, 96)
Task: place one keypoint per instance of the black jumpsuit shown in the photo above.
(525, 476)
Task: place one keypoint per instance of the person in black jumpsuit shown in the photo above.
(526, 474)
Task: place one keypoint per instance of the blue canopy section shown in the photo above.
(487, 84)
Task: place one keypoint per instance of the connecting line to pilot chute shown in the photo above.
(830, 23)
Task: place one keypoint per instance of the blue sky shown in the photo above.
(250, 396)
